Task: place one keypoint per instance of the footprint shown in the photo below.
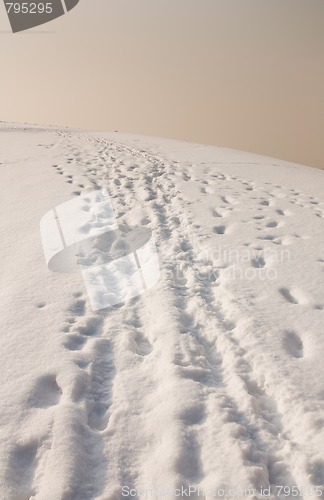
(285, 292)
(143, 346)
(78, 307)
(229, 325)
(193, 414)
(227, 199)
(185, 246)
(293, 344)
(272, 223)
(294, 296)
(145, 221)
(75, 342)
(285, 240)
(40, 305)
(89, 327)
(220, 229)
(268, 237)
(258, 262)
(21, 469)
(283, 212)
(266, 203)
(46, 392)
(176, 221)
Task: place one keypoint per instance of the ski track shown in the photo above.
(205, 348)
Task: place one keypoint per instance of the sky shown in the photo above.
(244, 74)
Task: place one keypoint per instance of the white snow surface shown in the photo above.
(212, 379)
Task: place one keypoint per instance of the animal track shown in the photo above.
(285, 292)
(294, 296)
(293, 344)
(80, 327)
(219, 212)
(75, 342)
(22, 465)
(78, 307)
(89, 327)
(45, 393)
(143, 346)
(272, 224)
(283, 212)
(220, 229)
(228, 200)
(258, 261)
(269, 237)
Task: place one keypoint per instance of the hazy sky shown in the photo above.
(247, 74)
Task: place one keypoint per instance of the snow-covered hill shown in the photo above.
(208, 384)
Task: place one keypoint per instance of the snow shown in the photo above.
(212, 378)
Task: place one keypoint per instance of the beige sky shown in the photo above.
(247, 74)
